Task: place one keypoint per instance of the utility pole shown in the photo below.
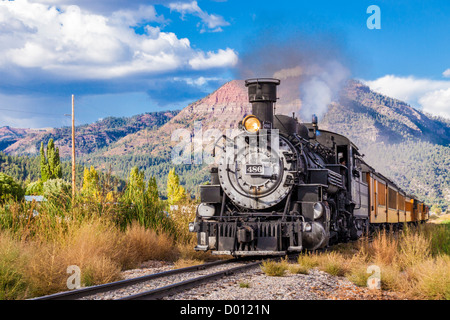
(73, 148)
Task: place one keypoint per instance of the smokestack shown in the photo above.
(262, 94)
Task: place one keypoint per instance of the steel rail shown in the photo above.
(87, 291)
(187, 284)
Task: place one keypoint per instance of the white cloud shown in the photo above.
(211, 21)
(72, 43)
(432, 96)
(214, 60)
(437, 102)
(446, 73)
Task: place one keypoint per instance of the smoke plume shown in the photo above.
(312, 72)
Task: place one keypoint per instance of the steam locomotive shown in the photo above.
(282, 186)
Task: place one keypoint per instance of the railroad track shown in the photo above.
(162, 291)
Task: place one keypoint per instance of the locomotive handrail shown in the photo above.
(215, 144)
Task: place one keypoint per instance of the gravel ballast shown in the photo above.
(252, 284)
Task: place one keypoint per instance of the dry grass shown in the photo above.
(273, 268)
(415, 262)
(279, 269)
(184, 263)
(38, 267)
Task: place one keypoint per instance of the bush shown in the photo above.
(35, 188)
(54, 188)
(9, 188)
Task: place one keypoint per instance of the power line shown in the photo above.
(43, 113)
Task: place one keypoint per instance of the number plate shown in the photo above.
(254, 169)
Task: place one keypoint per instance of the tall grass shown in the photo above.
(415, 262)
(39, 241)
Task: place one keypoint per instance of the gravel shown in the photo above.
(252, 284)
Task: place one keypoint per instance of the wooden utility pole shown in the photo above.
(73, 148)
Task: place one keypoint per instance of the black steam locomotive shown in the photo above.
(282, 186)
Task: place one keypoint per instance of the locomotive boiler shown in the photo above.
(282, 186)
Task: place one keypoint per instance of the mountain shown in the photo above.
(9, 136)
(403, 143)
(89, 138)
(220, 110)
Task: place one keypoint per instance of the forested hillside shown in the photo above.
(89, 138)
(404, 144)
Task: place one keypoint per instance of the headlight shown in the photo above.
(206, 210)
(251, 123)
(307, 227)
(318, 210)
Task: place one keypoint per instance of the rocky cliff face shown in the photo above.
(221, 110)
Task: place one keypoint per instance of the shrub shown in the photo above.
(35, 188)
(9, 189)
(53, 189)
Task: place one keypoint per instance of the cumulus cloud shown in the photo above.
(211, 21)
(214, 60)
(72, 43)
(446, 73)
(432, 96)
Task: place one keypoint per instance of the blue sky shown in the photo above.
(122, 58)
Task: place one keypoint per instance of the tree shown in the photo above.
(152, 191)
(136, 185)
(44, 164)
(50, 162)
(175, 192)
(436, 209)
(9, 188)
(91, 186)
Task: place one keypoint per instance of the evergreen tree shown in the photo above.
(44, 164)
(50, 162)
(152, 191)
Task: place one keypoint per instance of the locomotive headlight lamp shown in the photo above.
(251, 123)
(206, 210)
(318, 210)
(307, 227)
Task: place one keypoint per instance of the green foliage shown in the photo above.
(136, 186)
(436, 209)
(35, 188)
(9, 188)
(175, 192)
(44, 165)
(142, 204)
(56, 188)
(413, 152)
(91, 187)
(50, 162)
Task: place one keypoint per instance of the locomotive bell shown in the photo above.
(262, 94)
